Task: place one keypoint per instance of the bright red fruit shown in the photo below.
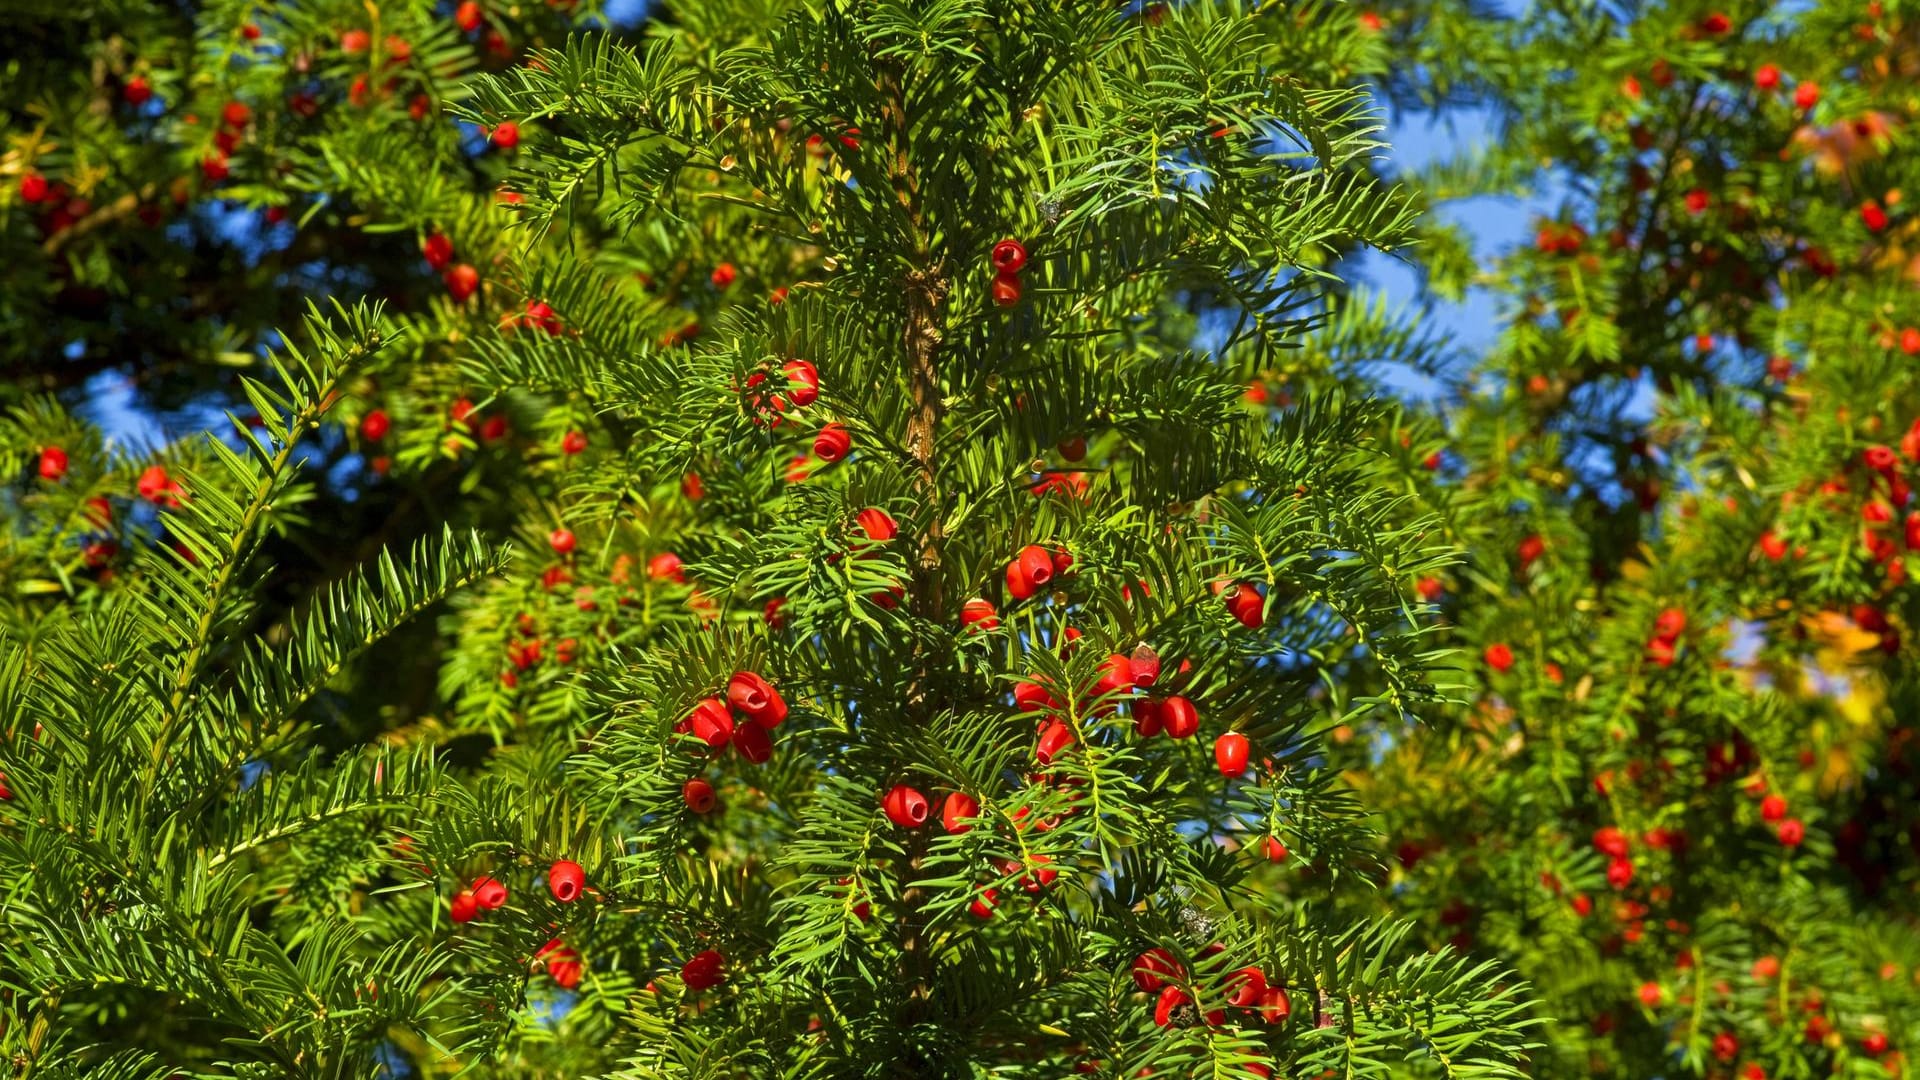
(236, 114)
(1179, 716)
(666, 566)
(354, 41)
(1276, 851)
(489, 893)
(1773, 808)
(1874, 1044)
(33, 187)
(1029, 572)
(563, 963)
(1275, 1005)
(698, 795)
(832, 443)
(710, 722)
(956, 811)
(1650, 994)
(1873, 217)
(983, 905)
(905, 807)
(1171, 998)
(565, 879)
(374, 425)
(1806, 95)
(1009, 256)
(723, 275)
(980, 613)
(1499, 657)
(462, 282)
(506, 136)
(753, 743)
(468, 16)
(1230, 753)
(803, 382)
(1791, 832)
(1153, 967)
(704, 971)
(53, 463)
(463, 907)
(1610, 841)
(1245, 986)
(1006, 290)
(755, 697)
(437, 250)
(573, 442)
(1766, 77)
(138, 91)
(1054, 739)
(562, 541)
(1246, 605)
(877, 524)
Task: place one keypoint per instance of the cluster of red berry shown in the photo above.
(712, 721)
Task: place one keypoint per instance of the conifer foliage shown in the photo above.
(918, 649)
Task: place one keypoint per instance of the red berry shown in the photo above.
(1611, 841)
(463, 907)
(438, 251)
(710, 722)
(1230, 753)
(703, 971)
(565, 879)
(138, 91)
(1650, 994)
(506, 136)
(573, 442)
(1171, 998)
(1180, 718)
(1910, 341)
(1245, 986)
(1276, 851)
(832, 443)
(983, 905)
(1029, 572)
(724, 275)
(803, 382)
(562, 541)
(1275, 1005)
(1873, 217)
(34, 187)
(236, 114)
(354, 41)
(877, 524)
(666, 566)
(956, 812)
(1246, 605)
(1006, 290)
(1054, 739)
(753, 743)
(754, 696)
(1766, 77)
(468, 16)
(1499, 657)
(1009, 256)
(1791, 832)
(1874, 1044)
(1806, 95)
(905, 807)
(980, 613)
(374, 425)
(462, 282)
(489, 893)
(1773, 808)
(214, 168)
(1153, 967)
(1697, 201)
(1767, 967)
(698, 795)
(53, 463)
